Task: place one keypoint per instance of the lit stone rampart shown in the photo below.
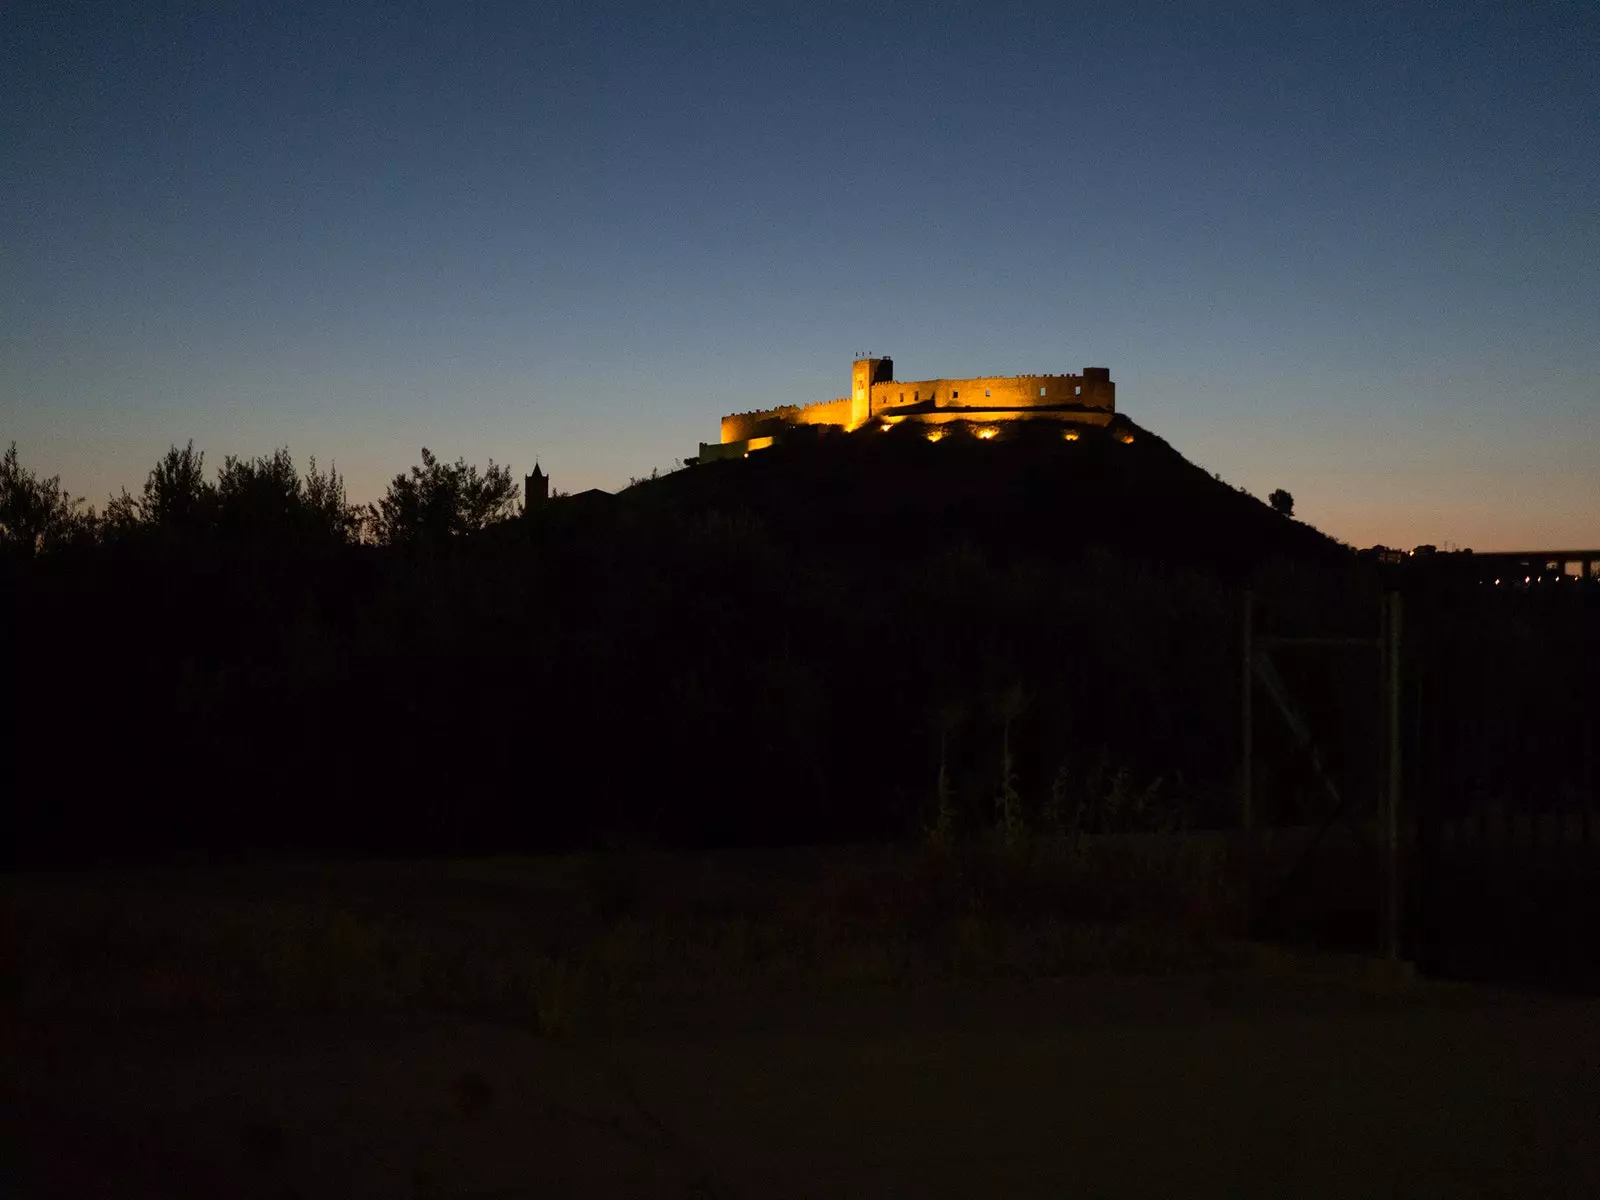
(1088, 398)
(1007, 391)
(736, 427)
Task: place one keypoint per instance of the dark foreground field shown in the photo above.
(908, 1022)
(1261, 1083)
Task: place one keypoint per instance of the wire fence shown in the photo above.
(1505, 718)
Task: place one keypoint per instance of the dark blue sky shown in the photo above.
(1348, 249)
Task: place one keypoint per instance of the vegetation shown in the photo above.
(1282, 503)
(259, 502)
(36, 514)
(578, 942)
(442, 500)
(864, 640)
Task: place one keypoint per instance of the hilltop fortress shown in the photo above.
(980, 406)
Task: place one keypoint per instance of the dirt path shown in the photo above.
(1213, 1086)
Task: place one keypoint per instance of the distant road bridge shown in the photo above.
(1496, 568)
(1529, 568)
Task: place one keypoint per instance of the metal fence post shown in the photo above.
(1391, 785)
(1246, 715)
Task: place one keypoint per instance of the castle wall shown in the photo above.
(1011, 391)
(825, 412)
(875, 393)
(736, 427)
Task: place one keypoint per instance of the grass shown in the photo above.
(578, 942)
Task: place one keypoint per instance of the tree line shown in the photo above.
(265, 498)
(853, 642)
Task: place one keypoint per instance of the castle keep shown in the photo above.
(981, 405)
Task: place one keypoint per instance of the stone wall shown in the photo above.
(1007, 391)
(875, 393)
(736, 427)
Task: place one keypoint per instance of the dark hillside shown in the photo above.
(851, 640)
(1026, 493)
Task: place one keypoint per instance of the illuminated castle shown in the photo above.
(936, 406)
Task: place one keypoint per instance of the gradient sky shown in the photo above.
(1348, 249)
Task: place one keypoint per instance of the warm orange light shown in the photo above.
(1071, 435)
(986, 434)
(886, 428)
(1125, 438)
(935, 434)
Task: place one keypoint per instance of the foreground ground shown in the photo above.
(1235, 1084)
(844, 1023)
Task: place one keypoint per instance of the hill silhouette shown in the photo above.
(1026, 493)
(841, 638)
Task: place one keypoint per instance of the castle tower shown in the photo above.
(865, 372)
(1097, 389)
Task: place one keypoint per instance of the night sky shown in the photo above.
(1348, 249)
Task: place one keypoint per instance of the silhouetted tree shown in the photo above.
(176, 497)
(262, 492)
(176, 494)
(36, 514)
(265, 498)
(1282, 503)
(438, 500)
(328, 506)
